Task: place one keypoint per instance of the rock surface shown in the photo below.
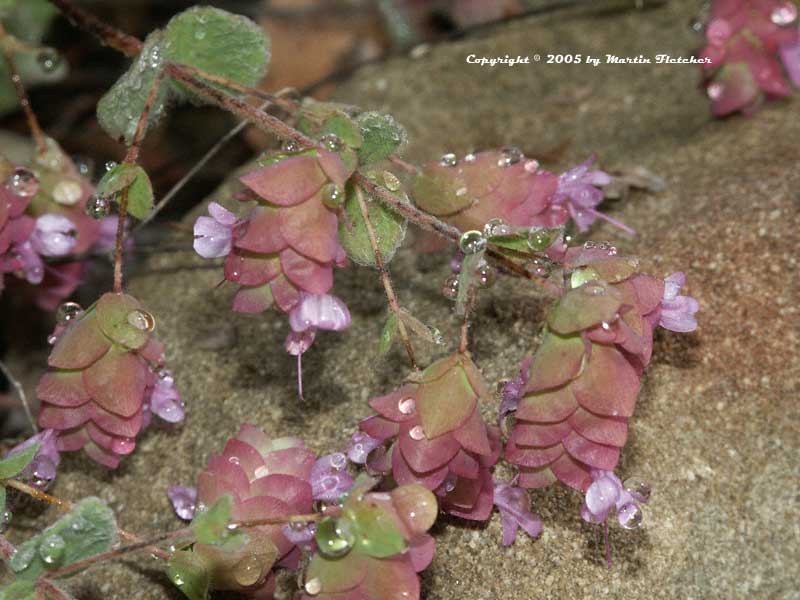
(716, 430)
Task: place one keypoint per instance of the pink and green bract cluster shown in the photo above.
(288, 244)
(103, 367)
(585, 376)
(752, 45)
(373, 546)
(267, 478)
(438, 437)
(504, 185)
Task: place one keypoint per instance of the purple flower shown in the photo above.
(165, 401)
(514, 390)
(360, 446)
(677, 312)
(42, 469)
(607, 492)
(54, 235)
(329, 477)
(300, 534)
(319, 311)
(108, 233)
(29, 262)
(213, 236)
(184, 501)
(578, 189)
(790, 55)
(514, 506)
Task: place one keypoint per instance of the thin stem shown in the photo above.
(141, 126)
(109, 35)
(607, 541)
(21, 394)
(119, 246)
(471, 295)
(308, 518)
(22, 95)
(387, 281)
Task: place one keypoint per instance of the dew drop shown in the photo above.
(538, 238)
(510, 156)
(199, 33)
(68, 311)
(313, 586)
(450, 287)
(84, 165)
(448, 160)
(332, 196)
(495, 228)
(406, 406)
(98, 207)
(470, 158)
(141, 320)
(784, 14)
(67, 192)
(5, 519)
(715, 90)
(52, 548)
(334, 537)
(486, 275)
(472, 242)
(630, 516)
(23, 183)
(391, 181)
(48, 59)
(52, 339)
(290, 146)
(123, 445)
(531, 166)
(638, 489)
(247, 571)
(416, 433)
(22, 557)
(331, 141)
(110, 165)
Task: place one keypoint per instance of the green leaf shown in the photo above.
(345, 129)
(426, 332)
(440, 194)
(190, 575)
(390, 229)
(382, 137)
(211, 526)
(217, 42)
(467, 279)
(18, 590)
(2, 499)
(376, 532)
(584, 306)
(388, 334)
(119, 109)
(88, 529)
(135, 180)
(16, 463)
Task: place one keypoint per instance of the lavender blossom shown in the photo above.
(677, 312)
(329, 477)
(213, 236)
(184, 501)
(54, 235)
(514, 506)
(319, 311)
(165, 401)
(360, 447)
(607, 492)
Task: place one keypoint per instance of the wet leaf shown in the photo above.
(382, 137)
(188, 572)
(135, 180)
(376, 532)
(211, 526)
(16, 463)
(426, 332)
(388, 334)
(390, 229)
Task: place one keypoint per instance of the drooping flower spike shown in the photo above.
(438, 437)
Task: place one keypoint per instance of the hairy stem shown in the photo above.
(471, 295)
(119, 249)
(387, 281)
(109, 35)
(21, 394)
(22, 96)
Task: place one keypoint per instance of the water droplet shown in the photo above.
(52, 339)
(67, 192)
(593, 289)
(290, 146)
(247, 571)
(715, 90)
(448, 160)
(470, 158)
(416, 433)
(23, 183)
(123, 445)
(510, 156)
(391, 181)
(68, 311)
(52, 549)
(486, 275)
(784, 14)
(84, 165)
(630, 516)
(332, 196)
(176, 577)
(539, 266)
(199, 33)
(472, 242)
(450, 287)
(696, 24)
(331, 141)
(638, 489)
(48, 60)
(589, 245)
(612, 251)
(23, 557)
(334, 537)
(538, 238)
(313, 586)
(80, 524)
(234, 460)
(495, 228)
(5, 519)
(98, 207)
(406, 406)
(531, 166)
(338, 461)
(110, 165)
(141, 320)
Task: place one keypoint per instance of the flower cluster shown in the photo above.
(105, 379)
(583, 383)
(438, 437)
(505, 187)
(747, 41)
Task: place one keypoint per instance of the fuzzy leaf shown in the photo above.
(467, 279)
(377, 534)
(88, 529)
(119, 109)
(345, 129)
(426, 332)
(135, 180)
(211, 526)
(113, 311)
(382, 137)
(584, 306)
(390, 229)
(189, 574)
(218, 42)
(16, 463)
(388, 334)
(440, 194)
